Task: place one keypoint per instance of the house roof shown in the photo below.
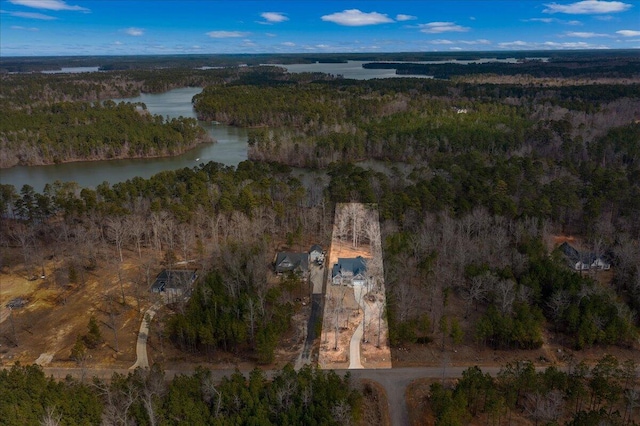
(586, 258)
(288, 261)
(173, 278)
(315, 247)
(354, 265)
(570, 251)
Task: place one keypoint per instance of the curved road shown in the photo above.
(142, 360)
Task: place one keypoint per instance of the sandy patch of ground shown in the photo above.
(58, 311)
(44, 359)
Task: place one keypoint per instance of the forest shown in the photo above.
(518, 164)
(471, 181)
(625, 66)
(604, 393)
(146, 397)
(583, 395)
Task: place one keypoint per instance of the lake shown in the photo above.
(354, 70)
(230, 149)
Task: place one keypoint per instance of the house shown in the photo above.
(174, 282)
(292, 262)
(316, 254)
(583, 261)
(349, 271)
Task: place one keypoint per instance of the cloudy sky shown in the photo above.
(115, 27)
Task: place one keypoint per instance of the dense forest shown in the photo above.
(624, 66)
(146, 397)
(59, 118)
(471, 182)
(605, 393)
(583, 395)
(77, 131)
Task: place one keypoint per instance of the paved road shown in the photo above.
(142, 360)
(356, 337)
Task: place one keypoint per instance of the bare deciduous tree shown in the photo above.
(50, 418)
(135, 225)
(212, 396)
(475, 291)
(117, 231)
(153, 386)
(547, 407)
(505, 295)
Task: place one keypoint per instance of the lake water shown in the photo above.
(350, 69)
(71, 70)
(230, 149)
(354, 70)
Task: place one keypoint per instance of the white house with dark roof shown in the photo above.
(349, 271)
(583, 261)
(297, 263)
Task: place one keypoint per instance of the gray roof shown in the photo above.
(292, 262)
(574, 256)
(315, 247)
(570, 251)
(355, 265)
(173, 278)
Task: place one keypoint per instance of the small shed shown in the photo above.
(316, 253)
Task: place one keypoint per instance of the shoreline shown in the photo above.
(93, 160)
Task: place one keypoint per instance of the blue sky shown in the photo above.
(117, 27)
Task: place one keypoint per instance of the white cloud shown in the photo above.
(628, 33)
(467, 42)
(117, 43)
(587, 7)
(33, 15)
(552, 20)
(21, 28)
(288, 44)
(274, 17)
(226, 34)
(519, 44)
(136, 32)
(545, 20)
(442, 27)
(402, 17)
(584, 34)
(475, 42)
(455, 48)
(356, 18)
(48, 5)
(441, 42)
